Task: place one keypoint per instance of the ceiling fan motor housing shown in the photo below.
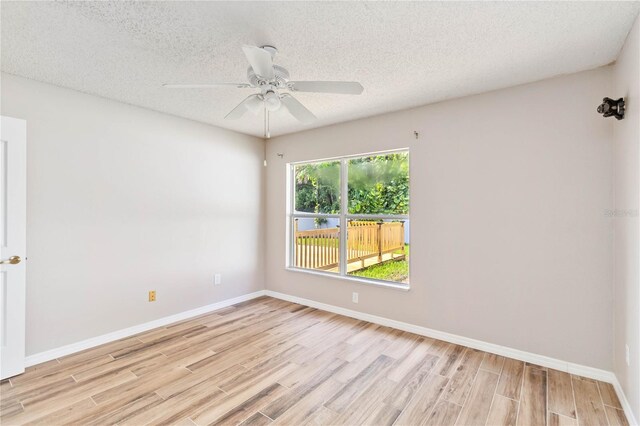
(280, 79)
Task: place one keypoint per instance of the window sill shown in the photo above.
(360, 280)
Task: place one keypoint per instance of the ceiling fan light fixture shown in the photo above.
(254, 105)
(271, 101)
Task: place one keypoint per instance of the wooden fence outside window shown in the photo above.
(320, 248)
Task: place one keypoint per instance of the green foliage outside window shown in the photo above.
(318, 187)
(376, 185)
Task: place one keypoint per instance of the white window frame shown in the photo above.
(344, 217)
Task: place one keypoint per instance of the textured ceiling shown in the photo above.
(404, 54)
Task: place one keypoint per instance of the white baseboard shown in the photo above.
(545, 361)
(625, 403)
(130, 331)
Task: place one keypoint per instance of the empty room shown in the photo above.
(319, 213)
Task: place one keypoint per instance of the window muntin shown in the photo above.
(368, 195)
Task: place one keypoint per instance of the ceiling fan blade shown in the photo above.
(299, 111)
(251, 103)
(204, 86)
(260, 60)
(342, 87)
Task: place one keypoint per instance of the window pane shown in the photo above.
(317, 187)
(379, 184)
(317, 244)
(378, 250)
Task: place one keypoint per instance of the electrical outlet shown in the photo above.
(627, 355)
(354, 297)
(152, 295)
(217, 279)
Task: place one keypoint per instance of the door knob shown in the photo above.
(11, 261)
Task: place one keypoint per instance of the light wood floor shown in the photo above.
(268, 361)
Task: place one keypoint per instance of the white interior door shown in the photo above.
(13, 224)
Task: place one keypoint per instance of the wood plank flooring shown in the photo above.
(268, 361)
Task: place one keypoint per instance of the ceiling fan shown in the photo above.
(272, 80)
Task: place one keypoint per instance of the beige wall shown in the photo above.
(510, 243)
(626, 162)
(122, 200)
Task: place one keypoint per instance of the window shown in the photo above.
(366, 195)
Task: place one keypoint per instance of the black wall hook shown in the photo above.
(612, 108)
